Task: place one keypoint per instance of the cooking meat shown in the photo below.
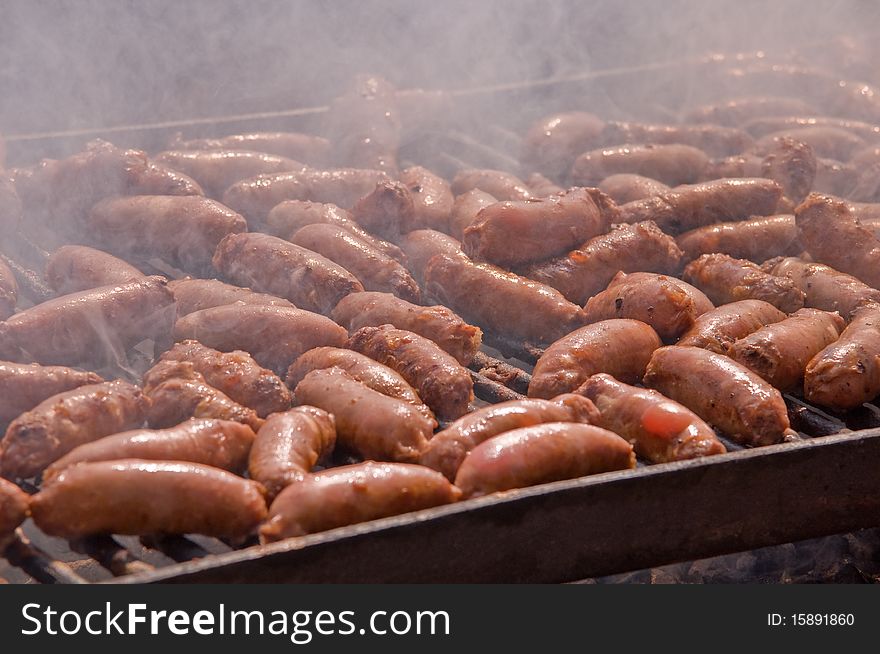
(621, 348)
(10, 207)
(272, 265)
(756, 239)
(14, 509)
(669, 164)
(388, 210)
(742, 111)
(626, 187)
(26, 385)
(866, 157)
(734, 166)
(422, 244)
(792, 165)
(8, 291)
(501, 185)
(193, 295)
(835, 177)
(431, 196)
(554, 142)
(73, 268)
(716, 330)
(541, 187)
(465, 210)
(826, 141)
(714, 140)
(313, 150)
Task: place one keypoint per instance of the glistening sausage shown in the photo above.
(193, 295)
(756, 239)
(26, 385)
(669, 164)
(73, 268)
(716, 330)
(14, 508)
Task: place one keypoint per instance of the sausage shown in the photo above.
(442, 383)
(826, 141)
(313, 150)
(182, 230)
(217, 170)
(846, 373)
(193, 295)
(716, 330)
(388, 210)
(219, 443)
(669, 164)
(743, 111)
(792, 165)
(659, 429)
(14, 509)
(422, 244)
(137, 497)
(446, 451)
(235, 374)
(714, 140)
(289, 445)
(835, 177)
(724, 279)
(8, 291)
(824, 287)
(697, 205)
(501, 185)
(722, 392)
(369, 423)
(553, 143)
(756, 239)
(436, 323)
(26, 385)
(832, 235)
(66, 420)
(779, 352)
(90, 327)
(375, 270)
(289, 216)
(667, 304)
(739, 165)
(516, 233)
(540, 454)
(626, 187)
(10, 207)
(763, 125)
(372, 374)
(541, 187)
(431, 196)
(587, 270)
(865, 187)
(73, 268)
(465, 210)
(274, 336)
(163, 180)
(271, 265)
(352, 494)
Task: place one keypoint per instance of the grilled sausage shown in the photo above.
(465, 210)
(14, 509)
(716, 330)
(25, 386)
(667, 304)
(235, 374)
(184, 231)
(64, 421)
(714, 140)
(659, 429)
(835, 177)
(722, 392)
(313, 150)
(448, 448)
(826, 141)
(792, 165)
(540, 454)
(756, 239)
(541, 187)
(621, 348)
(193, 295)
(388, 210)
(73, 268)
(369, 423)
(272, 265)
(442, 383)
(219, 443)
(742, 111)
(554, 142)
(422, 244)
(352, 494)
(90, 327)
(724, 279)
(501, 302)
(137, 497)
(273, 336)
(431, 196)
(626, 187)
(8, 291)
(436, 323)
(689, 207)
(375, 270)
(779, 352)
(515, 233)
(764, 125)
(847, 372)
(497, 183)
(289, 445)
(669, 164)
(372, 374)
(590, 268)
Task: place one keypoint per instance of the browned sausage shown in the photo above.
(352, 494)
(515, 233)
(724, 279)
(740, 165)
(73, 268)
(450, 447)
(14, 509)
(219, 443)
(26, 385)
(847, 372)
(8, 291)
(716, 330)
(826, 141)
(422, 244)
(756, 239)
(236, 374)
(272, 265)
(501, 302)
(369, 423)
(626, 187)
(387, 210)
(137, 497)
(541, 187)
(503, 186)
(590, 268)
(722, 392)
(436, 323)
(442, 383)
(431, 195)
(835, 177)
(90, 327)
(742, 111)
(289, 445)
(193, 295)
(689, 207)
(540, 454)
(714, 140)
(659, 429)
(313, 150)
(375, 270)
(621, 348)
(779, 352)
(372, 374)
(274, 336)
(667, 304)
(553, 143)
(670, 164)
(465, 210)
(64, 421)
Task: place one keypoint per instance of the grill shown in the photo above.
(822, 483)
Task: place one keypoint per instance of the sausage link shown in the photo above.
(422, 244)
(626, 187)
(716, 330)
(743, 111)
(541, 187)
(826, 141)
(465, 210)
(388, 210)
(26, 385)
(497, 183)
(14, 509)
(313, 150)
(756, 239)
(73, 268)
(193, 295)
(431, 195)
(714, 140)
(553, 143)
(669, 164)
